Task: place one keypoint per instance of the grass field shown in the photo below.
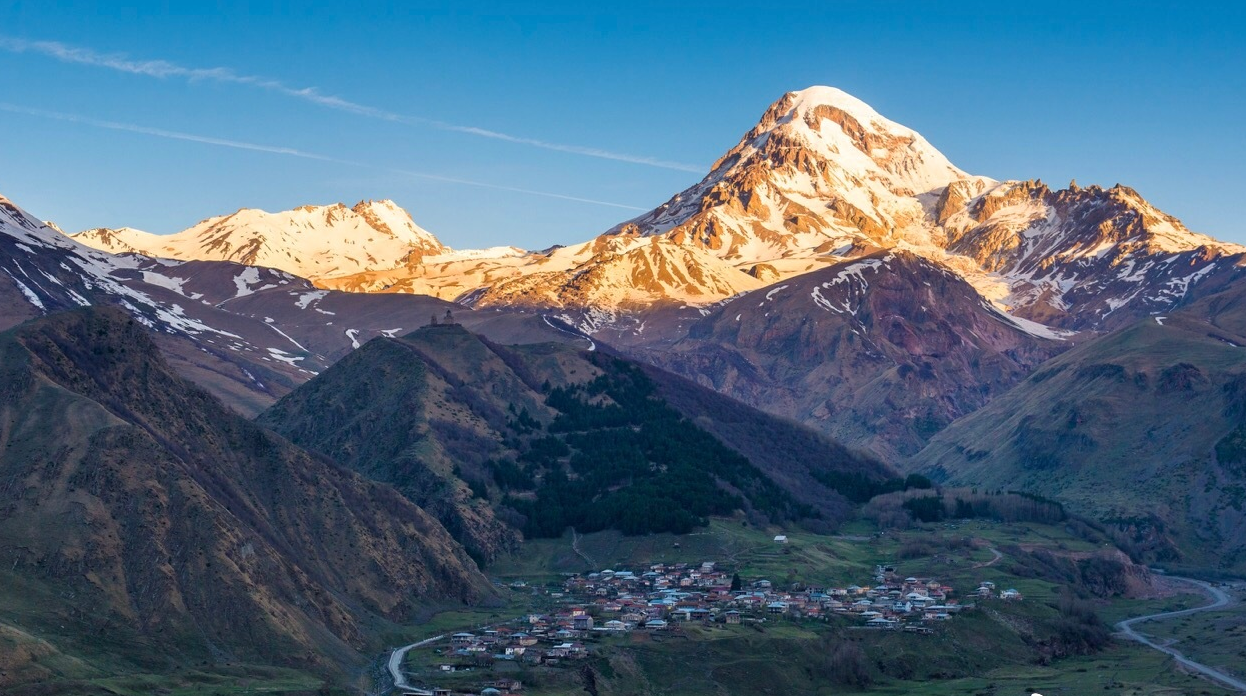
(242, 680)
(752, 551)
(1214, 638)
(1125, 668)
(989, 652)
(994, 651)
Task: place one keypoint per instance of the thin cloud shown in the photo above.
(162, 69)
(289, 152)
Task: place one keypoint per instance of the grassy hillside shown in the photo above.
(543, 437)
(146, 528)
(1144, 429)
(1052, 642)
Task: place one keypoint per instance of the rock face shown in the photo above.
(1144, 428)
(139, 508)
(883, 351)
(1088, 258)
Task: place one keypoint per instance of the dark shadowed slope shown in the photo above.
(882, 352)
(144, 525)
(481, 433)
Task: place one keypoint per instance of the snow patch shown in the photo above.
(1033, 328)
(770, 294)
(291, 360)
(309, 297)
(164, 281)
(31, 297)
(243, 281)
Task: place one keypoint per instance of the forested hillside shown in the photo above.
(539, 438)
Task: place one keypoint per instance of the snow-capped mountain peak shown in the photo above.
(821, 178)
(122, 240)
(849, 133)
(822, 171)
(312, 241)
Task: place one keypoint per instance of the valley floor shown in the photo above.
(997, 648)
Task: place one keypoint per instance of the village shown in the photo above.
(662, 598)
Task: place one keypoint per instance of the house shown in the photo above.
(524, 639)
(1010, 595)
(732, 617)
(656, 624)
(582, 622)
(567, 650)
(780, 539)
(462, 639)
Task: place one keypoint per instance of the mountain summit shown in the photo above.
(820, 166)
(821, 179)
(311, 241)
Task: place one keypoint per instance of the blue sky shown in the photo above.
(149, 115)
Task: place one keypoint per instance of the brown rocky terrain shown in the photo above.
(142, 520)
(881, 352)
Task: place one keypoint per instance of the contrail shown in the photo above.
(289, 152)
(162, 69)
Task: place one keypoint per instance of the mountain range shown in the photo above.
(821, 179)
(832, 268)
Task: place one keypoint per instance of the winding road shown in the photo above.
(395, 666)
(1221, 599)
(575, 546)
(996, 556)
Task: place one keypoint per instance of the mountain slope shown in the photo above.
(1144, 428)
(141, 516)
(248, 334)
(821, 169)
(823, 178)
(1087, 258)
(881, 352)
(443, 414)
